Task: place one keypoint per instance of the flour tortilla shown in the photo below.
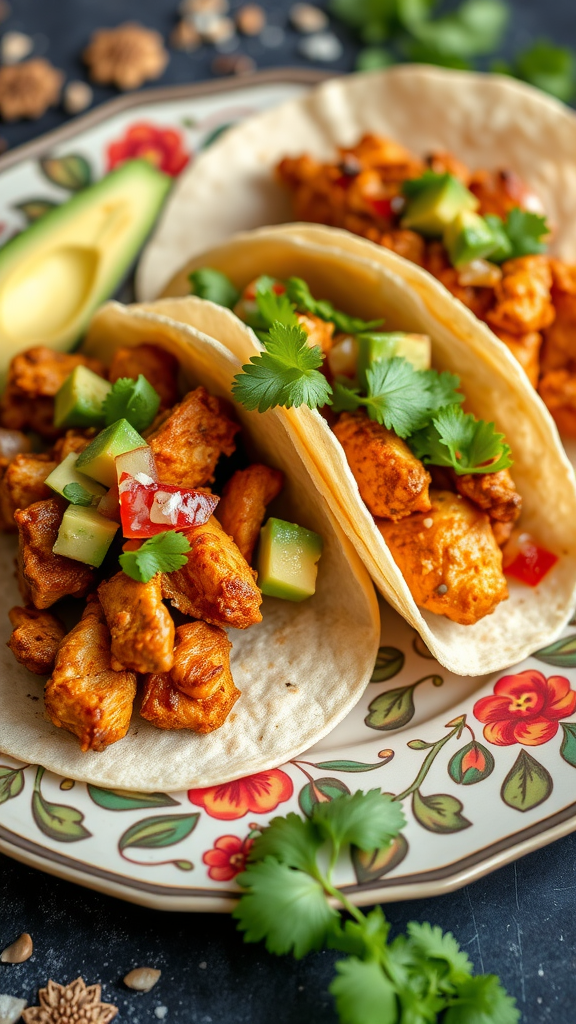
(485, 120)
(300, 671)
(371, 283)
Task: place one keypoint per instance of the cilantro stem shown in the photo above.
(337, 894)
(429, 760)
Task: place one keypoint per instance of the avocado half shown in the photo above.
(55, 274)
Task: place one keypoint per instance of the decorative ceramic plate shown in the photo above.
(484, 767)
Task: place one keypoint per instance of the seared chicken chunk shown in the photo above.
(243, 504)
(189, 443)
(526, 349)
(73, 442)
(494, 493)
(23, 484)
(167, 707)
(156, 364)
(449, 558)
(501, 191)
(320, 332)
(84, 694)
(391, 480)
(405, 243)
(216, 584)
(141, 627)
(558, 391)
(44, 577)
(201, 660)
(523, 299)
(559, 349)
(35, 639)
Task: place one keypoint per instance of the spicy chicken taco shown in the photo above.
(195, 608)
(437, 456)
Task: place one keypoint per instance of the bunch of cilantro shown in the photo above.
(422, 406)
(292, 903)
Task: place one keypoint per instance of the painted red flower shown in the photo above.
(227, 858)
(163, 147)
(525, 708)
(257, 794)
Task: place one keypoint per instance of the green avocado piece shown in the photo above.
(436, 205)
(84, 535)
(468, 238)
(97, 460)
(78, 403)
(66, 473)
(375, 348)
(288, 560)
(55, 273)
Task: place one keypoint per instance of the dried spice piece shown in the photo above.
(76, 1003)
(185, 36)
(307, 18)
(10, 1009)
(15, 46)
(28, 89)
(250, 19)
(142, 979)
(233, 64)
(77, 97)
(19, 951)
(126, 56)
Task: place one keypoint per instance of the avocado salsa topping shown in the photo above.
(435, 478)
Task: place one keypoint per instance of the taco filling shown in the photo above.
(482, 233)
(435, 478)
(142, 505)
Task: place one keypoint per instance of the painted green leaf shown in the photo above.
(562, 653)
(184, 865)
(163, 830)
(72, 172)
(527, 784)
(439, 812)
(350, 766)
(215, 134)
(391, 710)
(125, 800)
(58, 821)
(420, 647)
(471, 764)
(419, 745)
(33, 209)
(320, 791)
(11, 782)
(568, 748)
(389, 662)
(372, 864)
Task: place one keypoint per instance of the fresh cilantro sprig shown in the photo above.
(522, 234)
(299, 294)
(213, 285)
(166, 552)
(76, 494)
(547, 66)
(286, 373)
(289, 903)
(133, 400)
(457, 439)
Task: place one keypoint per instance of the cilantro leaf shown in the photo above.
(412, 187)
(367, 820)
(165, 552)
(475, 27)
(133, 400)
(398, 396)
(482, 1000)
(363, 993)
(299, 293)
(291, 840)
(548, 67)
(286, 373)
(373, 57)
(432, 944)
(286, 908)
(274, 307)
(77, 495)
(525, 231)
(345, 397)
(443, 388)
(361, 939)
(213, 285)
(458, 439)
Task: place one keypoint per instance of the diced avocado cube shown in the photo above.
(502, 245)
(97, 460)
(375, 348)
(416, 349)
(468, 238)
(78, 403)
(288, 560)
(66, 473)
(437, 205)
(84, 535)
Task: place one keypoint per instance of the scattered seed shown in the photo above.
(272, 36)
(18, 951)
(228, 64)
(442, 589)
(11, 1009)
(160, 1012)
(307, 18)
(142, 979)
(203, 965)
(428, 523)
(250, 19)
(184, 36)
(192, 7)
(324, 46)
(15, 46)
(217, 30)
(77, 97)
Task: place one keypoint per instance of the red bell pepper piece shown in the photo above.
(148, 509)
(530, 562)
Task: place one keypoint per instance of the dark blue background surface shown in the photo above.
(519, 922)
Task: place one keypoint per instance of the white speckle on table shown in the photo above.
(160, 1012)
(203, 965)
(540, 972)
(323, 46)
(15, 46)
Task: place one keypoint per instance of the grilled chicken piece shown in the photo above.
(526, 349)
(478, 299)
(156, 364)
(243, 504)
(188, 444)
(73, 442)
(34, 378)
(494, 493)
(84, 694)
(501, 191)
(523, 299)
(406, 243)
(23, 484)
(44, 577)
(141, 627)
(201, 660)
(559, 349)
(391, 480)
(216, 584)
(320, 332)
(449, 558)
(558, 392)
(167, 707)
(444, 163)
(35, 639)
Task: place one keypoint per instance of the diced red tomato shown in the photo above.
(249, 293)
(148, 509)
(526, 561)
(382, 207)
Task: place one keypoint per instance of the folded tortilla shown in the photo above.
(484, 120)
(371, 283)
(300, 670)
